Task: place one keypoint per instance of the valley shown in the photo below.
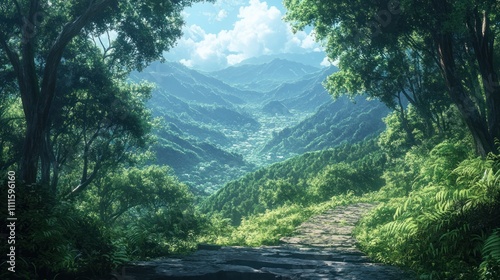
(216, 127)
(136, 131)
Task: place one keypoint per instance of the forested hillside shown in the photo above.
(309, 178)
(211, 132)
(334, 123)
(306, 94)
(110, 154)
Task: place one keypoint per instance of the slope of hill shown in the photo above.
(306, 94)
(310, 176)
(165, 104)
(214, 132)
(192, 86)
(263, 77)
(334, 123)
(201, 118)
(313, 59)
(275, 108)
(199, 163)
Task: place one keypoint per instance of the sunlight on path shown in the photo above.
(322, 248)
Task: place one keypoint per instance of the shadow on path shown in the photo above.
(322, 248)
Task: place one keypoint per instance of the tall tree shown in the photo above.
(459, 35)
(396, 76)
(93, 125)
(36, 33)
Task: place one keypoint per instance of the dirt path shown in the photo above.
(323, 248)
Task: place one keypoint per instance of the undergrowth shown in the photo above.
(267, 228)
(445, 224)
(437, 215)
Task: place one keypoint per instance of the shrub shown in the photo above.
(55, 239)
(439, 228)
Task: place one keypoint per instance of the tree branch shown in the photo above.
(70, 31)
(13, 58)
(18, 7)
(84, 184)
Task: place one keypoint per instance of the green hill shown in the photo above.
(304, 94)
(334, 123)
(210, 131)
(311, 177)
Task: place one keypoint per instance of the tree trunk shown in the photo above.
(30, 154)
(30, 95)
(493, 97)
(37, 98)
(404, 122)
(478, 126)
(483, 44)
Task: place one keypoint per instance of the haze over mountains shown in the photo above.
(218, 126)
(265, 76)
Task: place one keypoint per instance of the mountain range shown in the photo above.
(218, 126)
(263, 77)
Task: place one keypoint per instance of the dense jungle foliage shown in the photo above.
(437, 202)
(87, 153)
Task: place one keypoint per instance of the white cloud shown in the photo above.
(188, 63)
(222, 14)
(235, 58)
(259, 30)
(309, 42)
(194, 32)
(326, 62)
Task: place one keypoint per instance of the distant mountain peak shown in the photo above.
(311, 58)
(264, 76)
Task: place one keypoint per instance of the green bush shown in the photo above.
(438, 225)
(342, 178)
(53, 239)
(160, 233)
(267, 228)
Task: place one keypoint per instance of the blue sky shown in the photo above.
(224, 33)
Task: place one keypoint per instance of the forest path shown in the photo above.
(322, 248)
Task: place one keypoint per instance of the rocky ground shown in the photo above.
(322, 248)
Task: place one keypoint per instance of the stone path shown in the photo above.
(322, 248)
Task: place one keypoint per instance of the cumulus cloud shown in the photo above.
(259, 30)
(222, 14)
(194, 32)
(326, 62)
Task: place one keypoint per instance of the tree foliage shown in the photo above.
(310, 178)
(76, 132)
(396, 48)
(439, 223)
(35, 41)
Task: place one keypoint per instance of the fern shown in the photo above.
(490, 266)
(491, 246)
(438, 227)
(407, 227)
